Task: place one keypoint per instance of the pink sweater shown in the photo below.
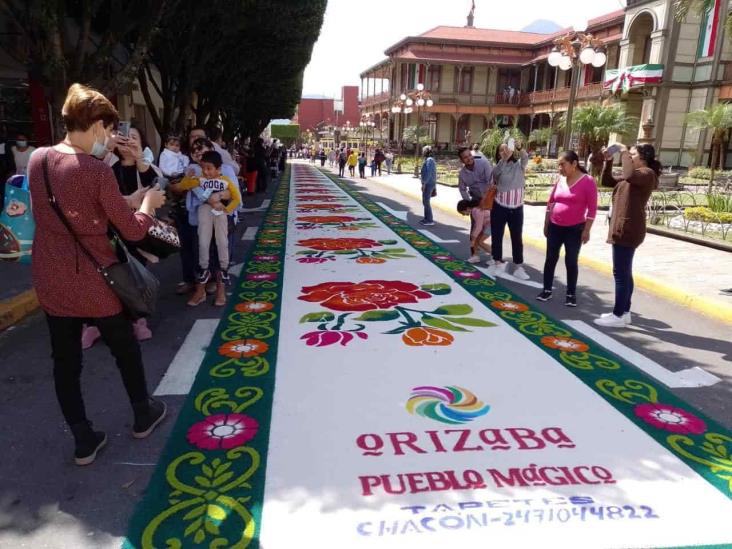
(575, 205)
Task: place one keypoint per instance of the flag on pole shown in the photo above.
(632, 77)
(709, 30)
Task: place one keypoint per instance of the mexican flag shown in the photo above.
(633, 77)
(709, 29)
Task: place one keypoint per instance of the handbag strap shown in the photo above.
(56, 208)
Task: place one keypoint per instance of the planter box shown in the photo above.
(668, 181)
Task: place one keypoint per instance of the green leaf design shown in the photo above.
(393, 251)
(440, 323)
(320, 316)
(307, 252)
(196, 512)
(195, 525)
(378, 316)
(207, 471)
(436, 289)
(388, 242)
(211, 528)
(203, 481)
(468, 321)
(344, 252)
(222, 479)
(220, 467)
(200, 537)
(453, 310)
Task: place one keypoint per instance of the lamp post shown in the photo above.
(400, 107)
(569, 53)
(421, 98)
(366, 124)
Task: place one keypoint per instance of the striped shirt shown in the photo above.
(511, 199)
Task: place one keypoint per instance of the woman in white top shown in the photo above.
(21, 153)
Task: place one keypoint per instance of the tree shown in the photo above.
(96, 42)
(416, 134)
(717, 118)
(492, 138)
(541, 136)
(700, 7)
(594, 123)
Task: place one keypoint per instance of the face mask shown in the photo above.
(99, 149)
(22, 144)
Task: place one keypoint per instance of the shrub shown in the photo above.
(706, 215)
(706, 173)
(720, 202)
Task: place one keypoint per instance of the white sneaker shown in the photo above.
(499, 267)
(611, 321)
(520, 273)
(626, 317)
(474, 259)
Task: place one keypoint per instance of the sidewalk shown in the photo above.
(688, 274)
(17, 297)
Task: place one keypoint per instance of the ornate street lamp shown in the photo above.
(420, 98)
(570, 52)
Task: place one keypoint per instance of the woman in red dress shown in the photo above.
(69, 288)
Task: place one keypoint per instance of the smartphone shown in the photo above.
(511, 144)
(613, 149)
(123, 129)
(162, 181)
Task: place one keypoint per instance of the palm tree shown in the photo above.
(541, 136)
(594, 123)
(718, 119)
(492, 138)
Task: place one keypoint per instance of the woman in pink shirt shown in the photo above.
(570, 211)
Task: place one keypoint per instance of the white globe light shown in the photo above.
(403, 97)
(600, 59)
(579, 24)
(395, 109)
(420, 86)
(409, 102)
(408, 110)
(566, 63)
(430, 102)
(420, 102)
(554, 57)
(587, 55)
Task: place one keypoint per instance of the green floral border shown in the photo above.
(213, 497)
(708, 453)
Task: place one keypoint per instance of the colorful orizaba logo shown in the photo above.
(453, 405)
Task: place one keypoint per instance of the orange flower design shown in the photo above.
(254, 307)
(327, 244)
(511, 306)
(243, 348)
(566, 344)
(370, 260)
(420, 337)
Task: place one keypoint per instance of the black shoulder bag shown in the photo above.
(135, 286)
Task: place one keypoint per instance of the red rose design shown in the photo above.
(323, 339)
(327, 219)
(363, 296)
(327, 244)
(315, 259)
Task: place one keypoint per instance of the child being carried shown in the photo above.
(480, 228)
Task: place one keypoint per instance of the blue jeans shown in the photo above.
(426, 196)
(623, 273)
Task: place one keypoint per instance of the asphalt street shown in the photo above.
(46, 501)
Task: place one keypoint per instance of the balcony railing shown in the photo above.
(562, 94)
(376, 99)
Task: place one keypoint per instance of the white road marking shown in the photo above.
(178, 379)
(691, 377)
(263, 206)
(250, 233)
(506, 276)
(435, 238)
(398, 214)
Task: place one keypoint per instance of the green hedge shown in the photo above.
(706, 215)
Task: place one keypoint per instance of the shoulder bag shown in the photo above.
(135, 286)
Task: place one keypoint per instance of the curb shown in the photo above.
(17, 307)
(717, 311)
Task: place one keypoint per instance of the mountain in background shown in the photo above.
(542, 26)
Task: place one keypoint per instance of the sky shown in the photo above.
(355, 35)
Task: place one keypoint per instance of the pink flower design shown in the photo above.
(315, 259)
(223, 431)
(467, 274)
(266, 258)
(323, 338)
(670, 418)
(262, 276)
(442, 257)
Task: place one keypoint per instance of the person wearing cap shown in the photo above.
(428, 176)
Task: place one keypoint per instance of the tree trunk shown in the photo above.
(715, 149)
